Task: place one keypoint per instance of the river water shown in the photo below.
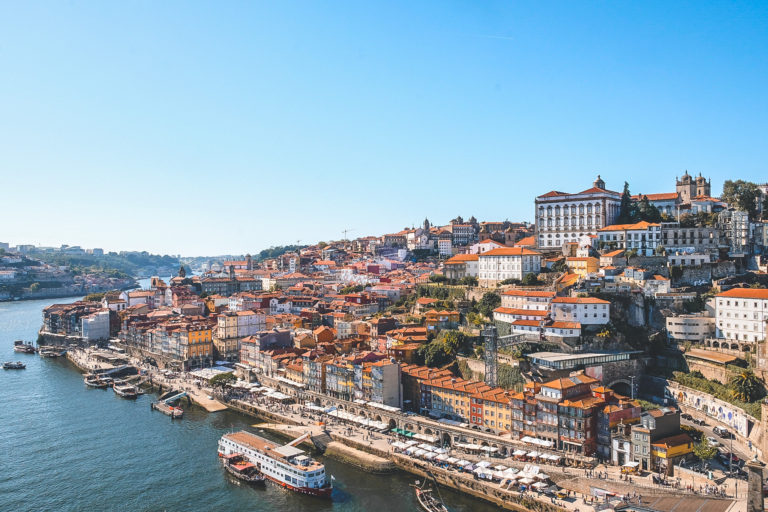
(64, 447)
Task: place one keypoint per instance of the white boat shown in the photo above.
(284, 465)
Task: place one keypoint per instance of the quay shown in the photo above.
(373, 452)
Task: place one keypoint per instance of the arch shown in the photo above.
(428, 431)
(622, 386)
(445, 439)
(392, 424)
(484, 443)
(409, 426)
(317, 403)
(377, 418)
(715, 344)
(746, 348)
(734, 346)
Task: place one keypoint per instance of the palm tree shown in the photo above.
(746, 386)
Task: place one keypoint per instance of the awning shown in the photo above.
(483, 464)
(631, 464)
(519, 453)
(540, 485)
(533, 455)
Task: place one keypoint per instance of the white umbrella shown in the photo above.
(483, 464)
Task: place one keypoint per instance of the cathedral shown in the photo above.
(689, 187)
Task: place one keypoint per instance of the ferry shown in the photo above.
(285, 465)
(10, 365)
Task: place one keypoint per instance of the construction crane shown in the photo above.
(345, 232)
(492, 345)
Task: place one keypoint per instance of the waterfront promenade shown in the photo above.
(367, 449)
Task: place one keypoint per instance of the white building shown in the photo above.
(693, 259)
(584, 310)
(497, 265)
(95, 326)
(562, 217)
(696, 327)
(461, 265)
(741, 314)
(249, 323)
(527, 299)
(667, 203)
(484, 246)
(643, 237)
(563, 329)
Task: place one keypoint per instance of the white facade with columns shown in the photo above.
(562, 217)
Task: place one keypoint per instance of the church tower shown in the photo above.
(599, 183)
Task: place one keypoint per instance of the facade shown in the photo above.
(96, 326)
(584, 310)
(562, 217)
(654, 425)
(461, 265)
(694, 328)
(741, 314)
(498, 265)
(642, 237)
(527, 299)
(697, 239)
(583, 266)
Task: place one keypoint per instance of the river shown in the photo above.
(68, 448)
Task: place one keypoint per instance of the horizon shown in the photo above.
(179, 126)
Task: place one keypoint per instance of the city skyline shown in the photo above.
(266, 124)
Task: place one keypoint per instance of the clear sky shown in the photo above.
(201, 128)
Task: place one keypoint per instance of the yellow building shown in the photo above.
(583, 266)
(666, 452)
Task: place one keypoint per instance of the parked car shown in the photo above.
(713, 441)
(724, 456)
(686, 416)
(722, 432)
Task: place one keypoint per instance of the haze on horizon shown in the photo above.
(201, 128)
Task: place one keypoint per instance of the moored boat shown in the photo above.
(428, 501)
(97, 381)
(24, 348)
(239, 467)
(51, 352)
(10, 365)
(125, 389)
(285, 465)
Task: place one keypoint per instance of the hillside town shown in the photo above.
(25, 276)
(616, 329)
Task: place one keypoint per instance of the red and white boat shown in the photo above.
(285, 465)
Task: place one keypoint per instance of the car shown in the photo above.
(722, 432)
(724, 456)
(686, 416)
(713, 441)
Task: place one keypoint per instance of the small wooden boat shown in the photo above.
(24, 348)
(428, 501)
(239, 467)
(10, 365)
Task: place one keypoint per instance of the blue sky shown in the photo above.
(225, 127)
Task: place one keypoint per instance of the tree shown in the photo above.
(94, 297)
(509, 377)
(437, 278)
(34, 287)
(510, 281)
(453, 341)
(646, 211)
(743, 195)
(530, 279)
(222, 379)
(488, 303)
(626, 208)
(660, 250)
(746, 386)
(468, 281)
(560, 266)
(704, 450)
(322, 245)
(434, 354)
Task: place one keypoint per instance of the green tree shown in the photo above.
(434, 354)
(222, 379)
(530, 279)
(742, 195)
(646, 211)
(704, 450)
(94, 297)
(437, 278)
(468, 281)
(746, 386)
(626, 208)
(488, 303)
(509, 377)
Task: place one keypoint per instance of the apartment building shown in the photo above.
(584, 310)
(498, 265)
(741, 314)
